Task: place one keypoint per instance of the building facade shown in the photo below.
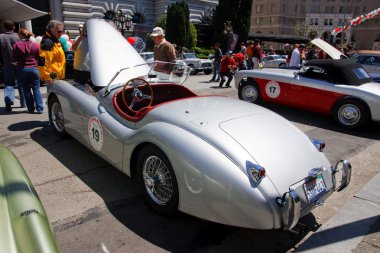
(144, 13)
(282, 17)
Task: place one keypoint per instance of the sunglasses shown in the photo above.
(61, 31)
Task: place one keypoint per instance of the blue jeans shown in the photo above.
(10, 73)
(216, 75)
(31, 82)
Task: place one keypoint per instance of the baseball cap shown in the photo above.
(229, 52)
(157, 31)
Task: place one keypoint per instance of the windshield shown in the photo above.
(158, 72)
(189, 55)
(168, 72)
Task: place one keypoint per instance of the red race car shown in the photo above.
(338, 87)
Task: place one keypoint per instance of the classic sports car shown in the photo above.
(242, 165)
(24, 226)
(338, 87)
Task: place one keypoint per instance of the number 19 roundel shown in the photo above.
(95, 133)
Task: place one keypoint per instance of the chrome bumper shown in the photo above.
(290, 202)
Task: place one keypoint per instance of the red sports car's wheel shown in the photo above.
(249, 91)
(350, 114)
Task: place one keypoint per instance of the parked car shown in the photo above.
(233, 166)
(197, 64)
(24, 225)
(148, 56)
(274, 61)
(369, 59)
(337, 87)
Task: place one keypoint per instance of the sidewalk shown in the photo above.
(354, 228)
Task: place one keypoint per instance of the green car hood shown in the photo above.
(24, 226)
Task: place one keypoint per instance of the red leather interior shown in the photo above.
(162, 93)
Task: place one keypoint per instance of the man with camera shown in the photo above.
(82, 72)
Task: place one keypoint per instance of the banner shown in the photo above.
(356, 21)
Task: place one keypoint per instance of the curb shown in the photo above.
(347, 228)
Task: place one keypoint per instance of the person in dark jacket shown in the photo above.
(217, 58)
(26, 53)
(7, 39)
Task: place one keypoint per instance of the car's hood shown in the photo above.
(247, 132)
(109, 53)
(330, 50)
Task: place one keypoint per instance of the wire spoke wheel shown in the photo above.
(157, 179)
(56, 116)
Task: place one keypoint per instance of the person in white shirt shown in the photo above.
(295, 58)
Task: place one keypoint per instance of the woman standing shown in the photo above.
(26, 53)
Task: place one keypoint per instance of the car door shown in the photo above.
(312, 91)
(103, 133)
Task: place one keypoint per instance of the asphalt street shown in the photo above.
(95, 208)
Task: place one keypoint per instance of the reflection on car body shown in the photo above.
(185, 152)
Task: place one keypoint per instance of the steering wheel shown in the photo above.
(138, 87)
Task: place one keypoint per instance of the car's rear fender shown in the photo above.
(211, 185)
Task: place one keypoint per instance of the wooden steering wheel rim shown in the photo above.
(126, 86)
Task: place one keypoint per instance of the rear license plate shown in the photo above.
(314, 188)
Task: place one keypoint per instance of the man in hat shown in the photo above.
(163, 50)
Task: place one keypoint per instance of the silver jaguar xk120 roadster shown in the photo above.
(243, 166)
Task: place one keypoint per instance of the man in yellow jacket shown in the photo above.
(52, 58)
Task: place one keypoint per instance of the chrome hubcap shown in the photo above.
(349, 114)
(249, 93)
(157, 180)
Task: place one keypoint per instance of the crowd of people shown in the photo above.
(28, 63)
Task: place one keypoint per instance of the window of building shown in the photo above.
(315, 9)
(311, 21)
(356, 10)
(259, 21)
(329, 9)
(330, 22)
(272, 20)
(303, 9)
(340, 22)
(259, 8)
(325, 21)
(273, 7)
(316, 21)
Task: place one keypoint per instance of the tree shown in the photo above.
(304, 29)
(178, 24)
(238, 12)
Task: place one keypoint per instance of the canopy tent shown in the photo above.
(279, 38)
(18, 11)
